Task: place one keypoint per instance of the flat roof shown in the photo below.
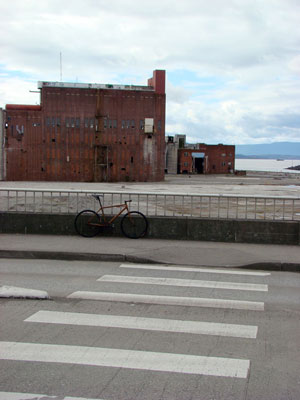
(72, 85)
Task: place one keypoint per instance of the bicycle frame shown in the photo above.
(114, 217)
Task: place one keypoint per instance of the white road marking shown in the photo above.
(184, 282)
(119, 358)
(195, 269)
(151, 324)
(169, 300)
(34, 396)
(19, 293)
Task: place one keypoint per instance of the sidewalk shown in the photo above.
(178, 252)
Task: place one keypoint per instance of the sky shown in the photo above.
(233, 67)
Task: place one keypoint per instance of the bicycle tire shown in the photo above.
(82, 223)
(134, 225)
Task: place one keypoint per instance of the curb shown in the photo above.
(71, 256)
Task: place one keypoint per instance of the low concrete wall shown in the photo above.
(242, 231)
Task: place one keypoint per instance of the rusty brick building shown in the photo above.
(198, 158)
(88, 132)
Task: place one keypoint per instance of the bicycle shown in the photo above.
(88, 223)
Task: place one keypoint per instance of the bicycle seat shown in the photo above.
(97, 195)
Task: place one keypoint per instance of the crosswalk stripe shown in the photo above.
(35, 396)
(195, 269)
(184, 282)
(169, 300)
(119, 358)
(151, 324)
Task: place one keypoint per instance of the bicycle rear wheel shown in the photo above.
(87, 223)
(134, 225)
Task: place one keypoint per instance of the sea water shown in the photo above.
(268, 165)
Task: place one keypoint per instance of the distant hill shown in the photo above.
(285, 150)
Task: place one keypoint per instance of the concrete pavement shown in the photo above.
(178, 252)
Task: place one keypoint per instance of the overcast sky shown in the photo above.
(233, 67)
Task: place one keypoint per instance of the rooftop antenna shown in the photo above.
(60, 59)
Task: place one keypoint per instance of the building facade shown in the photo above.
(198, 158)
(88, 132)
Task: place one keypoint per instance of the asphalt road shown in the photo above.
(149, 333)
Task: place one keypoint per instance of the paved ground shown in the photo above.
(255, 183)
(115, 331)
(156, 250)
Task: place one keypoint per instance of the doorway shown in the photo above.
(199, 164)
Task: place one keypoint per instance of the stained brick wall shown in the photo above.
(88, 134)
(215, 159)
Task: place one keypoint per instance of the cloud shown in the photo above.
(233, 67)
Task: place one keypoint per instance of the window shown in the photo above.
(58, 121)
(128, 124)
(72, 122)
(159, 125)
(115, 125)
(53, 122)
(132, 123)
(186, 154)
(47, 121)
(142, 124)
(185, 164)
(67, 123)
(77, 122)
(123, 123)
(86, 122)
(92, 123)
(110, 123)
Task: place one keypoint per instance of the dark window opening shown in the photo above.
(131, 160)
(133, 123)
(77, 122)
(123, 169)
(110, 123)
(142, 124)
(115, 125)
(53, 140)
(181, 143)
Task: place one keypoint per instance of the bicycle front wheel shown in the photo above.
(87, 223)
(134, 225)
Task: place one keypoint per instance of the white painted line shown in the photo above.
(34, 396)
(22, 293)
(195, 269)
(169, 300)
(184, 282)
(149, 324)
(119, 358)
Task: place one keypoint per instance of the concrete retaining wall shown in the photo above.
(242, 231)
